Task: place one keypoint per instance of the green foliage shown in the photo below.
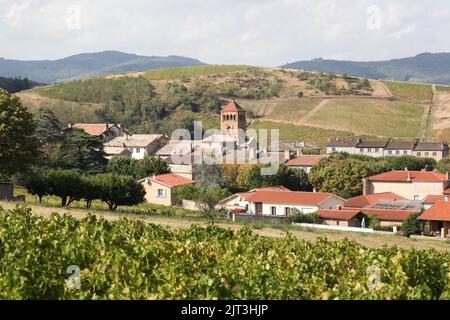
(129, 260)
(293, 179)
(206, 198)
(374, 221)
(18, 147)
(13, 85)
(66, 184)
(412, 225)
(81, 151)
(48, 128)
(444, 165)
(139, 169)
(298, 217)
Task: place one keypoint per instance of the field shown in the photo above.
(443, 88)
(292, 132)
(129, 259)
(412, 91)
(371, 117)
(189, 72)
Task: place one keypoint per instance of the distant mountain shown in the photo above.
(425, 67)
(88, 65)
(14, 85)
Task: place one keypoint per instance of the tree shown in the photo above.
(36, 184)
(118, 190)
(412, 225)
(18, 147)
(444, 165)
(210, 176)
(374, 221)
(82, 151)
(151, 166)
(65, 184)
(208, 198)
(294, 179)
(48, 128)
(340, 176)
(90, 189)
(122, 165)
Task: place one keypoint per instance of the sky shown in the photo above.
(254, 32)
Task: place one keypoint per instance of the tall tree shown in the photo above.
(82, 151)
(18, 147)
(48, 128)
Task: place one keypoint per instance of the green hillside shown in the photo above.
(303, 105)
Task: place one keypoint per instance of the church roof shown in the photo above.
(233, 106)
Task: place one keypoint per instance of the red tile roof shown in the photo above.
(93, 129)
(343, 214)
(406, 176)
(305, 161)
(289, 197)
(434, 198)
(171, 180)
(233, 106)
(368, 200)
(276, 188)
(439, 212)
(389, 215)
(447, 191)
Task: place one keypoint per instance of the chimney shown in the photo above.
(406, 169)
(69, 126)
(446, 198)
(299, 152)
(339, 207)
(314, 190)
(154, 177)
(409, 177)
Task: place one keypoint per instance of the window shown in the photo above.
(377, 150)
(434, 154)
(160, 193)
(405, 152)
(369, 150)
(361, 150)
(333, 149)
(427, 154)
(287, 211)
(390, 152)
(419, 154)
(397, 152)
(273, 211)
(138, 150)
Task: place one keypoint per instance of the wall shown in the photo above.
(264, 219)
(150, 194)
(6, 191)
(407, 189)
(281, 208)
(350, 150)
(332, 203)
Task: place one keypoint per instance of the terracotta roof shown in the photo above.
(401, 145)
(430, 146)
(447, 191)
(403, 176)
(290, 197)
(434, 198)
(439, 212)
(343, 142)
(274, 189)
(233, 106)
(368, 200)
(171, 180)
(389, 215)
(93, 129)
(343, 214)
(305, 161)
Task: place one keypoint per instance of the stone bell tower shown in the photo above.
(234, 122)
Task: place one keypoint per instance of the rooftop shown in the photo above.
(434, 198)
(233, 106)
(343, 214)
(289, 197)
(373, 144)
(136, 140)
(401, 145)
(439, 212)
(431, 146)
(94, 129)
(305, 161)
(171, 180)
(410, 176)
(368, 200)
(343, 142)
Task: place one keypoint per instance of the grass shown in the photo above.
(197, 71)
(292, 132)
(442, 135)
(443, 88)
(292, 109)
(414, 91)
(372, 117)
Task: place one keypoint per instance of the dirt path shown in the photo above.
(380, 90)
(372, 241)
(314, 111)
(440, 113)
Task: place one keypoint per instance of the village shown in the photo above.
(387, 201)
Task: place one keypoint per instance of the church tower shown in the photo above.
(234, 122)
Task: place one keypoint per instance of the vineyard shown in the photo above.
(131, 260)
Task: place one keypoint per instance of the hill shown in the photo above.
(88, 65)
(303, 105)
(14, 85)
(425, 67)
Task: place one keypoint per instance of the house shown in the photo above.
(305, 162)
(438, 218)
(342, 217)
(431, 200)
(371, 199)
(161, 190)
(112, 152)
(435, 150)
(139, 145)
(400, 148)
(105, 131)
(412, 185)
(280, 202)
(372, 148)
(352, 217)
(345, 144)
(298, 147)
(6, 191)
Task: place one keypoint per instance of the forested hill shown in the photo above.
(14, 85)
(425, 67)
(88, 65)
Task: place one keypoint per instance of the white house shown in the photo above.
(139, 145)
(279, 201)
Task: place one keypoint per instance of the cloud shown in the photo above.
(258, 32)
